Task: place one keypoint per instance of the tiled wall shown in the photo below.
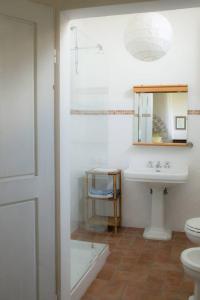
(117, 112)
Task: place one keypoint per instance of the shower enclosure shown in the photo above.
(89, 95)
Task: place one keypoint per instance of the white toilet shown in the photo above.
(190, 258)
(192, 230)
(191, 263)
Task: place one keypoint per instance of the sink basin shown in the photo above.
(158, 179)
(163, 176)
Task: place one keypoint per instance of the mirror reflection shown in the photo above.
(161, 117)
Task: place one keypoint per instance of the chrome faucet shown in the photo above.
(150, 164)
(167, 165)
(158, 165)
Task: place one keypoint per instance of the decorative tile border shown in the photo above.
(127, 112)
(194, 112)
(102, 112)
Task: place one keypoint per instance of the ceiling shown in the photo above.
(72, 4)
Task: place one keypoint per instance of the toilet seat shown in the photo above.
(191, 258)
(192, 230)
(193, 225)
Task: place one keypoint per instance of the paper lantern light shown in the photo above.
(148, 36)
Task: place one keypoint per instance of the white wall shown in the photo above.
(178, 108)
(180, 65)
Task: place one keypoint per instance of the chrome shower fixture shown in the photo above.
(76, 47)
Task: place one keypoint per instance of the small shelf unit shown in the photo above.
(115, 197)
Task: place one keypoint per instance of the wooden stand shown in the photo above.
(94, 219)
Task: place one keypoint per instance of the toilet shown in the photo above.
(190, 258)
(192, 230)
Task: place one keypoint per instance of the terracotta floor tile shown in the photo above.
(133, 229)
(168, 296)
(190, 244)
(170, 266)
(132, 278)
(176, 253)
(135, 293)
(112, 246)
(151, 245)
(107, 272)
(124, 244)
(126, 267)
(139, 269)
(132, 293)
(113, 290)
(129, 253)
(121, 276)
(109, 297)
(130, 235)
(166, 244)
(179, 236)
(100, 239)
(146, 259)
(162, 255)
(174, 296)
(139, 242)
(153, 283)
(131, 260)
(88, 297)
(96, 287)
(115, 258)
(158, 273)
(151, 295)
(187, 286)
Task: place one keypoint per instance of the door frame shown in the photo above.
(56, 8)
(63, 117)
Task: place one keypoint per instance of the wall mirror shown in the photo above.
(160, 117)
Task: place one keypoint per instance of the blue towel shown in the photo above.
(101, 192)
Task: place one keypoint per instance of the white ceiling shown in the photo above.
(72, 4)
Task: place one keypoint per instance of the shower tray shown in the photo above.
(87, 259)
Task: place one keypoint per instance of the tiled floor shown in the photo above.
(139, 269)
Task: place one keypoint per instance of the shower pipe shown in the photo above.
(77, 48)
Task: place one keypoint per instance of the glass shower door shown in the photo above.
(89, 127)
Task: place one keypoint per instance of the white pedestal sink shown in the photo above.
(158, 180)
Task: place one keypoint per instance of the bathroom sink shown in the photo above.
(159, 177)
(163, 176)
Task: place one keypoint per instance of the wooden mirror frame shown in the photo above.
(173, 88)
(170, 88)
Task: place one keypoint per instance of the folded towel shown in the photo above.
(96, 192)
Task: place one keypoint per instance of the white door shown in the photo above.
(27, 224)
